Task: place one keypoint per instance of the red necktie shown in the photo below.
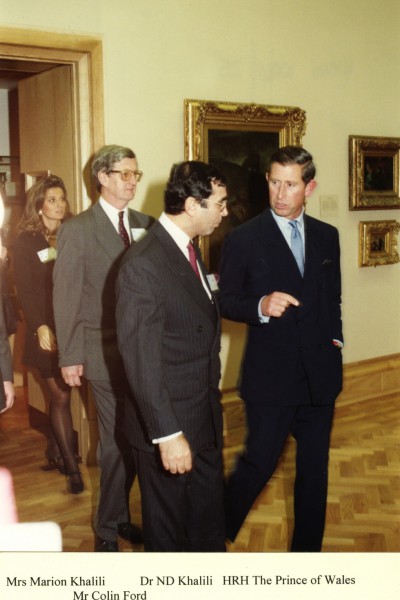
(193, 259)
(122, 231)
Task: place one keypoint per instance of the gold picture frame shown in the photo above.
(378, 243)
(238, 138)
(374, 172)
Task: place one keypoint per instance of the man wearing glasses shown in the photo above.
(169, 336)
(90, 247)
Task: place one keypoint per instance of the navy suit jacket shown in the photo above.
(291, 360)
(169, 338)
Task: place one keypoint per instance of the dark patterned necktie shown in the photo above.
(193, 259)
(122, 231)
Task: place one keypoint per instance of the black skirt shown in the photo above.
(43, 360)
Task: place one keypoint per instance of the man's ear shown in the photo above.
(310, 187)
(190, 205)
(102, 177)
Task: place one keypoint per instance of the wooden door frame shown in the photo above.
(85, 56)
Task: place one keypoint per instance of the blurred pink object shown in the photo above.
(23, 537)
(8, 508)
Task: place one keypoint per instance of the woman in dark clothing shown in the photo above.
(6, 366)
(34, 256)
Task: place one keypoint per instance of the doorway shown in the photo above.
(46, 53)
(77, 63)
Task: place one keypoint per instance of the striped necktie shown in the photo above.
(296, 244)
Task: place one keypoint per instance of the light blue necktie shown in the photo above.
(296, 244)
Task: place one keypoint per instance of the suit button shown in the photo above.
(199, 328)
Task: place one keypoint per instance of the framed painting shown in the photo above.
(238, 139)
(373, 172)
(378, 243)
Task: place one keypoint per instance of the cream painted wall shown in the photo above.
(336, 60)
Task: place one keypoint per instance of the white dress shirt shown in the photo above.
(113, 214)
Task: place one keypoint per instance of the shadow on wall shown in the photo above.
(153, 203)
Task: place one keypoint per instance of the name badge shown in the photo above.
(212, 282)
(47, 254)
(138, 233)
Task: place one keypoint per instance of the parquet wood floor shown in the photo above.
(363, 509)
(363, 512)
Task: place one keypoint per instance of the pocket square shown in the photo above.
(138, 233)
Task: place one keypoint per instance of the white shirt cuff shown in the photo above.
(262, 318)
(337, 343)
(167, 437)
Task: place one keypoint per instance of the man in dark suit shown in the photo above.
(169, 337)
(90, 247)
(280, 274)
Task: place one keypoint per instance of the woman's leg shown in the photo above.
(62, 428)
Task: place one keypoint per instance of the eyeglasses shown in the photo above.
(126, 174)
(222, 203)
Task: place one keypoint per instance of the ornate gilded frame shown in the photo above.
(374, 172)
(211, 127)
(378, 243)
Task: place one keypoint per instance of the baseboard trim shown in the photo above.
(367, 378)
(375, 376)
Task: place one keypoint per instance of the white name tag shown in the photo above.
(138, 233)
(212, 282)
(47, 254)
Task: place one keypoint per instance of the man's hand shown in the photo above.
(72, 375)
(176, 455)
(276, 303)
(9, 393)
(46, 337)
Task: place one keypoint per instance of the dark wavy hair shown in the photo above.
(191, 178)
(31, 220)
(290, 155)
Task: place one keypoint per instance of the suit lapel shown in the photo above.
(134, 221)
(313, 246)
(106, 234)
(180, 266)
(276, 247)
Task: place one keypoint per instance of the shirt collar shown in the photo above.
(178, 235)
(283, 221)
(110, 210)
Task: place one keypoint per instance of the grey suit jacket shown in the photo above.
(89, 251)
(169, 338)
